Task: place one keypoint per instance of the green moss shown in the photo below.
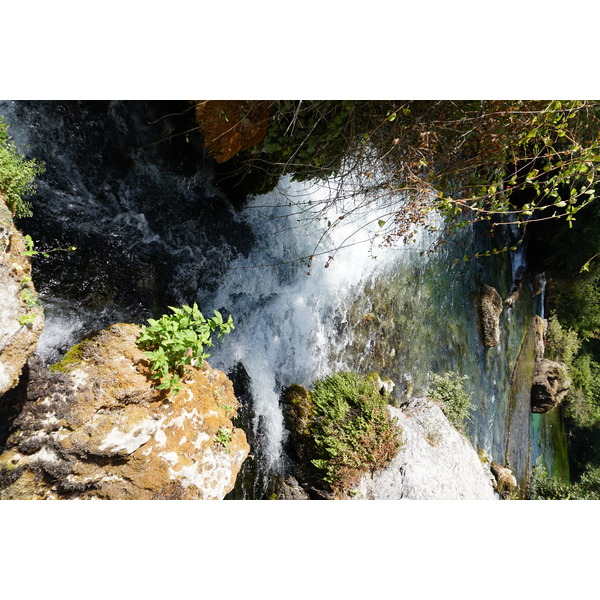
(373, 376)
(297, 409)
(9, 466)
(75, 354)
(483, 456)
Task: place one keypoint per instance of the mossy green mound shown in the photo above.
(342, 428)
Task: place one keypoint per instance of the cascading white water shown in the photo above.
(285, 311)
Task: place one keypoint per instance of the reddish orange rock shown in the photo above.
(230, 126)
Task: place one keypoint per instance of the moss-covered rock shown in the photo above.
(339, 431)
(297, 408)
(551, 384)
(96, 427)
(506, 482)
(489, 306)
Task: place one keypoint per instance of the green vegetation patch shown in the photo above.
(17, 174)
(351, 429)
(544, 487)
(177, 340)
(449, 392)
(74, 355)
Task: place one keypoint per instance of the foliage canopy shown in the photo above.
(495, 161)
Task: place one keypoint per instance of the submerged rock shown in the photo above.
(21, 314)
(435, 462)
(96, 428)
(550, 385)
(489, 311)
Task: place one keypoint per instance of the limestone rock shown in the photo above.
(511, 300)
(489, 311)
(550, 385)
(506, 482)
(21, 314)
(96, 428)
(435, 462)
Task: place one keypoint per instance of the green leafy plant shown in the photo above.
(17, 174)
(26, 318)
(562, 344)
(177, 340)
(31, 251)
(449, 392)
(351, 429)
(223, 437)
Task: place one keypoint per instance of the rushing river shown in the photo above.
(152, 230)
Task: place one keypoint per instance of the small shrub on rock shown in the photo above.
(351, 429)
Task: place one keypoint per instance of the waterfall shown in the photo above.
(285, 309)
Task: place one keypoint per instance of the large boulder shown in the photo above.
(550, 385)
(96, 428)
(435, 462)
(21, 314)
(489, 305)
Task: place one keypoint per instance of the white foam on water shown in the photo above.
(285, 311)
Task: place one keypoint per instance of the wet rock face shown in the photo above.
(97, 428)
(21, 315)
(489, 310)
(435, 462)
(550, 385)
